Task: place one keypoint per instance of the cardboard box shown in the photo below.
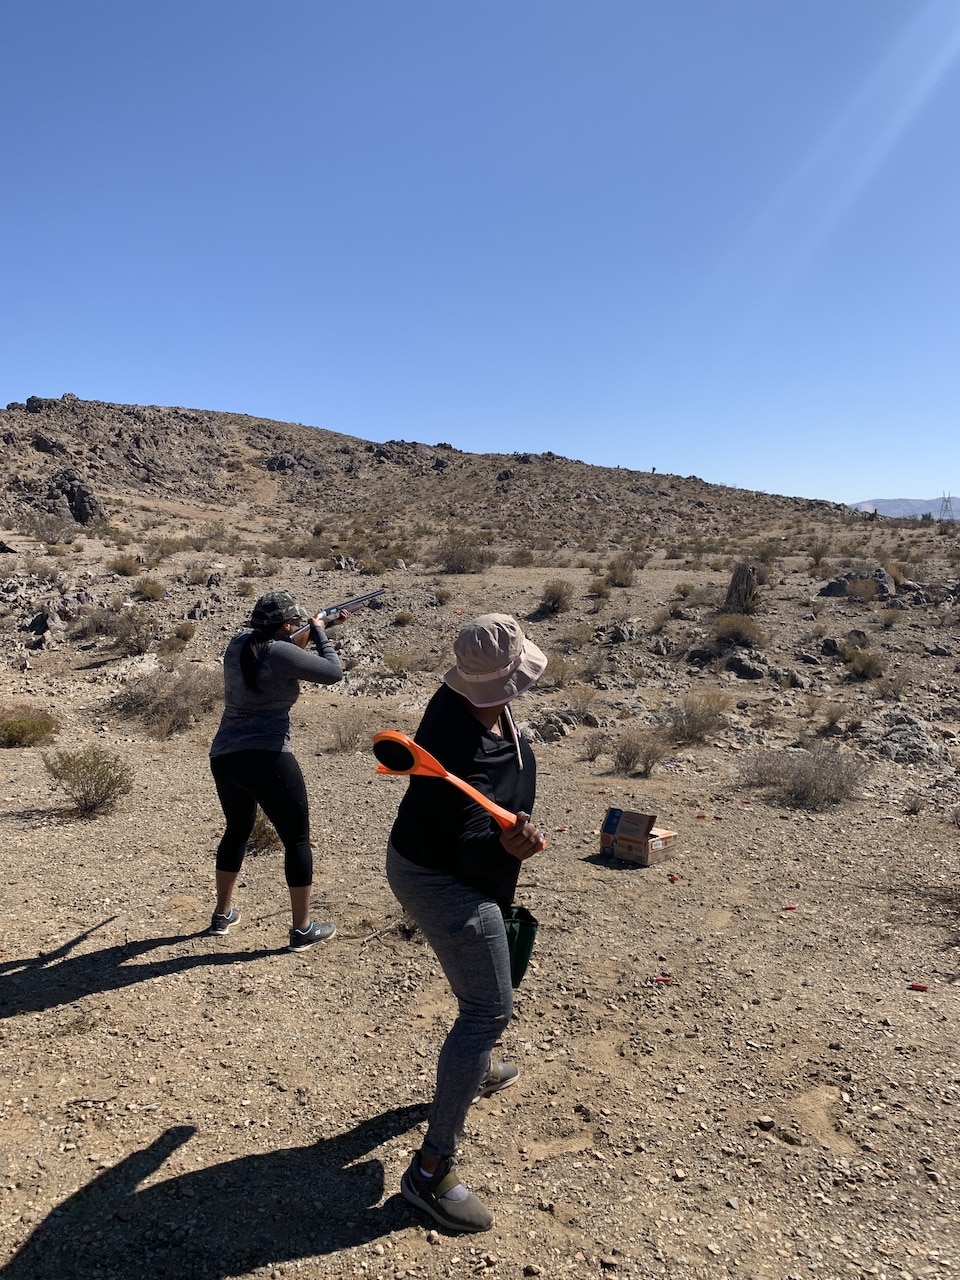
(632, 837)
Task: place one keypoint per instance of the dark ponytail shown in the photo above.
(251, 656)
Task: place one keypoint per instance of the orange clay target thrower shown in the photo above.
(399, 755)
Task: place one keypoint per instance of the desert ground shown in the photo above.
(738, 1061)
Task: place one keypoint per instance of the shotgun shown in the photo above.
(302, 635)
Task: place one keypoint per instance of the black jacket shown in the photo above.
(439, 827)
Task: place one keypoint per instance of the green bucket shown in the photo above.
(521, 926)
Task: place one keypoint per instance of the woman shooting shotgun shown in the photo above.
(251, 759)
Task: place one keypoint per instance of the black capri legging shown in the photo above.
(274, 781)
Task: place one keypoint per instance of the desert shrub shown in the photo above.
(638, 750)
(738, 628)
(861, 664)
(125, 566)
(575, 638)
(559, 670)
(818, 552)
(816, 779)
(23, 726)
(581, 699)
(263, 838)
(397, 662)
(742, 595)
(696, 717)
(93, 622)
(133, 630)
(245, 588)
(621, 571)
(349, 728)
(197, 574)
(520, 558)
(685, 590)
(599, 588)
(863, 589)
(185, 631)
(404, 618)
(892, 686)
(658, 620)
(94, 778)
(595, 744)
(149, 588)
(168, 702)
(441, 594)
(462, 553)
(557, 596)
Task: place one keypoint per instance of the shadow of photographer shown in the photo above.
(56, 977)
(223, 1220)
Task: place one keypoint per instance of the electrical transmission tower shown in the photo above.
(946, 508)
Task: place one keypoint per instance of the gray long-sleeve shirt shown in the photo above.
(260, 720)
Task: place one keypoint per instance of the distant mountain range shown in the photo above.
(907, 506)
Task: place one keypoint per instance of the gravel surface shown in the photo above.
(740, 1061)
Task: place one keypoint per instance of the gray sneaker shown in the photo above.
(303, 939)
(500, 1076)
(221, 924)
(445, 1197)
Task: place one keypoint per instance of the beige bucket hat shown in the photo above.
(495, 661)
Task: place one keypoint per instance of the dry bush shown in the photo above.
(621, 571)
(350, 727)
(557, 596)
(581, 699)
(149, 588)
(863, 589)
(133, 630)
(94, 778)
(462, 553)
(861, 664)
(404, 618)
(441, 594)
(742, 594)
(168, 702)
(263, 837)
(892, 686)
(696, 717)
(890, 618)
(817, 779)
(818, 552)
(23, 726)
(575, 639)
(559, 670)
(638, 750)
(658, 620)
(125, 566)
(595, 744)
(245, 588)
(738, 629)
(520, 558)
(397, 661)
(599, 588)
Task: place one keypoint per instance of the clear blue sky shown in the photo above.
(717, 237)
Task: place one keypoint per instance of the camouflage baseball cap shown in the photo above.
(275, 608)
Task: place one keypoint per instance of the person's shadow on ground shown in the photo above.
(224, 1220)
(56, 977)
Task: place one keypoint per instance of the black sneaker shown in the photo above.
(220, 924)
(464, 1212)
(500, 1076)
(303, 939)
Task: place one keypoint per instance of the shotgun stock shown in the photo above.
(302, 635)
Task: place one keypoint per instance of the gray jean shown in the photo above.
(465, 929)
